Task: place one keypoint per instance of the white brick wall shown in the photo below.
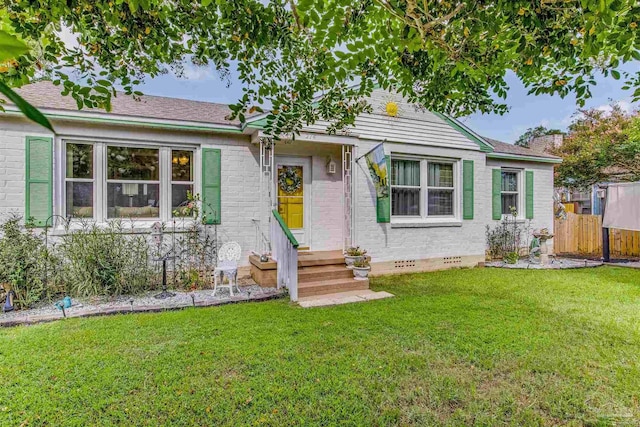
(542, 192)
(241, 193)
(387, 243)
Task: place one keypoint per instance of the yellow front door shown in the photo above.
(291, 195)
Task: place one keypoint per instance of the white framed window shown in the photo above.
(79, 180)
(182, 180)
(406, 188)
(133, 182)
(511, 192)
(105, 181)
(424, 188)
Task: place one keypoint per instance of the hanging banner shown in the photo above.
(377, 164)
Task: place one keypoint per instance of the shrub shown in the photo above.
(106, 261)
(26, 264)
(507, 238)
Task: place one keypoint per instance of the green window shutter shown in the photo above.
(383, 204)
(529, 194)
(496, 196)
(211, 184)
(467, 189)
(39, 180)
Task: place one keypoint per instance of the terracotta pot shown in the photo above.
(361, 273)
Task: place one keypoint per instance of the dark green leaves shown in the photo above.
(309, 60)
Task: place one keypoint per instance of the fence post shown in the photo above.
(605, 230)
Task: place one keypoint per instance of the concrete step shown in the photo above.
(323, 272)
(320, 258)
(333, 286)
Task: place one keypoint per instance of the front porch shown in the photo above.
(318, 273)
(307, 215)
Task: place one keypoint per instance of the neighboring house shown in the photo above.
(586, 201)
(140, 160)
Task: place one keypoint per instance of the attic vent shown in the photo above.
(452, 260)
(405, 263)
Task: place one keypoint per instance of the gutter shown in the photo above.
(126, 120)
(506, 156)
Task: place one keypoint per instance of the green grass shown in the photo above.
(460, 347)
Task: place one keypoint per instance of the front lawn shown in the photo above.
(460, 347)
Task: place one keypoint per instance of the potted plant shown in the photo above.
(354, 253)
(361, 269)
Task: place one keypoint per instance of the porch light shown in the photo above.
(331, 166)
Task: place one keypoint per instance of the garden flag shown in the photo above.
(377, 164)
(379, 167)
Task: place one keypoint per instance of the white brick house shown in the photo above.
(447, 183)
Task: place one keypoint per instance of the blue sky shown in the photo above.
(526, 110)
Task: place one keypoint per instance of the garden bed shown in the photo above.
(554, 264)
(137, 304)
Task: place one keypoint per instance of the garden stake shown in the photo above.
(165, 293)
(193, 299)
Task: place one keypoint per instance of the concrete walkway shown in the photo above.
(342, 298)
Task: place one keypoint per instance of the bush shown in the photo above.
(106, 261)
(507, 238)
(26, 265)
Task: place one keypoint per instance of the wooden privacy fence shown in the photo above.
(582, 234)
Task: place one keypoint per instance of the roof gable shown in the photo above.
(394, 119)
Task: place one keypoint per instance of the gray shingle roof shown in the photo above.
(45, 95)
(504, 148)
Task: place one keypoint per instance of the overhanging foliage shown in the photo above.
(451, 57)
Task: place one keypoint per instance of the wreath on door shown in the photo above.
(289, 180)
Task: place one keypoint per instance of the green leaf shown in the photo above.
(27, 109)
(11, 47)
(615, 74)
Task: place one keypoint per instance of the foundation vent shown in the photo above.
(407, 263)
(452, 260)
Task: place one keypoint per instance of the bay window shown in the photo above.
(106, 181)
(423, 188)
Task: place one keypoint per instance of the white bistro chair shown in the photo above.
(227, 267)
